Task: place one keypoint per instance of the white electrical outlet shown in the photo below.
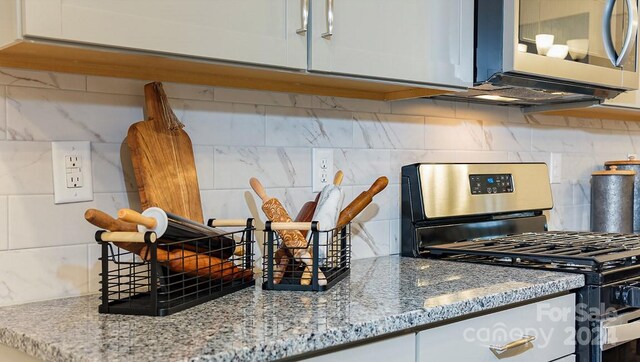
(71, 171)
(322, 168)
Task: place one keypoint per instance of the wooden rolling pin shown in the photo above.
(104, 221)
(197, 264)
(363, 200)
(292, 239)
(219, 268)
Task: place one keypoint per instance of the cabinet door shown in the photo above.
(398, 349)
(550, 322)
(249, 31)
(422, 41)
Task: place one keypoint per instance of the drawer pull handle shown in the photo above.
(511, 345)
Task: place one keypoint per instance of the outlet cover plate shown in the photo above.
(322, 168)
(62, 193)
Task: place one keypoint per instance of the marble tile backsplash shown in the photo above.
(47, 250)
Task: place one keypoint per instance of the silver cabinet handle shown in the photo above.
(511, 345)
(305, 18)
(630, 38)
(329, 32)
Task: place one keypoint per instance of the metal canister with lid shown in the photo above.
(632, 164)
(612, 200)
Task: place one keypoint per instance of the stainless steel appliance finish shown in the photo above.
(606, 308)
(454, 180)
(612, 201)
(510, 71)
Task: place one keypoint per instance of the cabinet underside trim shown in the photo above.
(125, 64)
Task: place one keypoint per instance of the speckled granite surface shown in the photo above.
(382, 295)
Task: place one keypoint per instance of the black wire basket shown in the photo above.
(170, 276)
(322, 262)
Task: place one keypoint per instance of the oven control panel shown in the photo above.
(491, 184)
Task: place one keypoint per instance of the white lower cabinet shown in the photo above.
(551, 322)
(398, 349)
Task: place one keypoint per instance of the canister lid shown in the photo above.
(632, 160)
(613, 171)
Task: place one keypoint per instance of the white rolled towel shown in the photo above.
(327, 212)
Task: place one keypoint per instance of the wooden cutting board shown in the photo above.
(162, 158)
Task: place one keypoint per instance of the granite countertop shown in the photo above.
(382, 295)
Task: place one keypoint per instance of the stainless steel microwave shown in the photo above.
(554, 51)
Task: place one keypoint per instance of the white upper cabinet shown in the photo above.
(422, 41)
(248, 31)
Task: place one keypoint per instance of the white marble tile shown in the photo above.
(516, 115)
(204, 166)
(401, 158)
(482, 156)
(585, 122)
(210, 123)
(273, 166)
(620, 125)
(454, 134)
(502, 136)
(547, 120)
(576, 218)
(47, 115)
(395, 243)
(3, 113)
(40, 79)
(108, 172)
(35, 221)
(25, 168)
(94, 267)
(562, 194)
(530, 157)
(4, 222)
(482, 112)
(362, 167)
(578, 167)
(612, 141)
(557, 139)
(375, 130)
(308, 127)
(235, 95)
(556, 219)
(581, 192)
(43, 273)
(370, 239)
(136, 87)
(425, 107)
(350, 104)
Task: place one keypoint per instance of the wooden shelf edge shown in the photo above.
(126, 64)
(599, 112)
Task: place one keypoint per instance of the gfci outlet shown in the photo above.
(71, 171)
(322, 168)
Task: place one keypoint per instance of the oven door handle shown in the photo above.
(621, 333)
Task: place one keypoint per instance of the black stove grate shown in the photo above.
(580, 251)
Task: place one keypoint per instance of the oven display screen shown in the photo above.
(491, 184)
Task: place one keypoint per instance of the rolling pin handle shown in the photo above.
(258, 188)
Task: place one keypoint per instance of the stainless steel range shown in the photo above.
(493, 214)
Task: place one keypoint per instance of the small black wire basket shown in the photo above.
(163, 277)
(323, 261)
